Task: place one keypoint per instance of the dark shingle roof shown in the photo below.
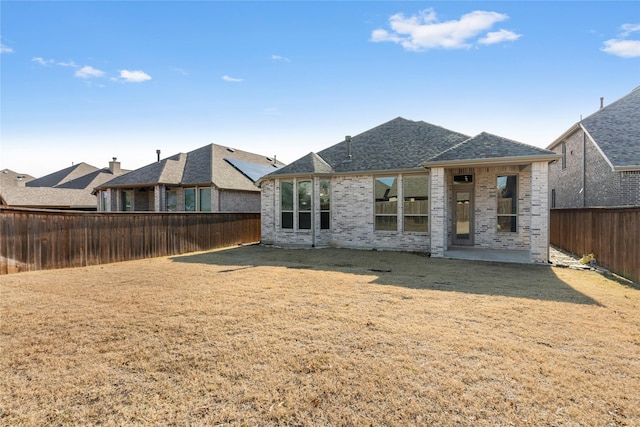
(402, 144)
(487, 146)
(616, 130)
(62, 176)
(205, 165)
(311, 163)
(91, 180)
(394, 145)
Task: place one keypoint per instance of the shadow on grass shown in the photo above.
(404, 269)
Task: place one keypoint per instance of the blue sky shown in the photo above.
(88, 81)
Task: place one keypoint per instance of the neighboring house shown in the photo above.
(69, 188)
(600, 158)
(413, 186)
(212, 178)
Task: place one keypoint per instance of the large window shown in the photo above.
(204, 200)
(190, 199)
(386, 204)
(126, 200)
(507, 203)
(286, 204)
(304, 205)
(415, 192)
(172, 201)
(325, 204)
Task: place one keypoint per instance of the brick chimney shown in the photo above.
(114, 166)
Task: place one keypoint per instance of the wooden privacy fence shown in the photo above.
(611, 234)
(41, 240)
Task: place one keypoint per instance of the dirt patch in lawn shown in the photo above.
(264, 336)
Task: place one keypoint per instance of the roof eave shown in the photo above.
(627, 168)
(347, 173)
(564, 136)
(493, 161)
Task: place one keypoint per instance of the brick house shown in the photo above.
(212, 178)
(600, 158)
(413, 186)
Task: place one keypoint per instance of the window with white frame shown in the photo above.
(415, 193)
(507, 187)
(386, 203)
(286, 204)
(304, 205)
(325, 204)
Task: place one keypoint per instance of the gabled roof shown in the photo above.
(62, 176)
(309, 164)
(615, 130)
(204, 166)
(486, 147)
(402, 144)
(47, 197)
(9, 178)
(91, 180)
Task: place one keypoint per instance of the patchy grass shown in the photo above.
(259, 336)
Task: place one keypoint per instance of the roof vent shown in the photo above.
(601, 101)
(231, 150)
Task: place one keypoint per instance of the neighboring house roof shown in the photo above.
(211, 164)
(47, 197)
(402, 144)
(9, 178)
(91, 180)
(69, 188)
(62, 176)
(615, 130)
(488, 148)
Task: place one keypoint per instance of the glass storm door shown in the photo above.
(463, 217)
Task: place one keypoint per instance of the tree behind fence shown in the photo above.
(611, 234)
(41, 240)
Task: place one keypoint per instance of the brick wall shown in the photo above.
(599, 186)
(352, 214)
(239, 201)
(567, 182)
(630, 188)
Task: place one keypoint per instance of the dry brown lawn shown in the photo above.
(264, 336)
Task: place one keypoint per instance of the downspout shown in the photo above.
(313, 212)
(584, 168)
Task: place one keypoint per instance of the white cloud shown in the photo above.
(423, 31)
(134, 76)
(231, 79)
(622, 46)
(5, 49)
(88, 72)
(627, 29)
(42, 61)
(68, 64)
(280, 58)
(499, 37)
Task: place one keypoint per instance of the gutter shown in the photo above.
(493, 161)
